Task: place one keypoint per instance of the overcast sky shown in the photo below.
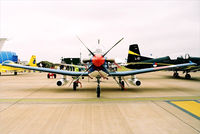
(48, 28)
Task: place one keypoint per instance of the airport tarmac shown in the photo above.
(31, 103)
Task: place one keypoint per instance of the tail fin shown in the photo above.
(2, 40)
(32, 61)
(134, 54)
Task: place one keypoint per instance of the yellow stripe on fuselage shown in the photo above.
(131, 52)
(191, 106)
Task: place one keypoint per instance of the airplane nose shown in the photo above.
(98, 60)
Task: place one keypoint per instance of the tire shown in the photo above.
(48, 76)
(74, 86)
(187, 76)
(54, 76)
(15, 73)
(176, 75)
(98, 92)
(122, 84)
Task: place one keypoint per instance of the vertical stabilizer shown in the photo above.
(32, 61)
(2, 40)
(134, 54)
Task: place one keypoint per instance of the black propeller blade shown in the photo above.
(85, 46)
(113, 46)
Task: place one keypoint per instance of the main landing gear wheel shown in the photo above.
(75, 85)
(176, 75)
(122, 85)
(188, 76)
(54, 75)
(48, 76)
(15, 73)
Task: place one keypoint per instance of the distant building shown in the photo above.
(7, 55)
(74, 61)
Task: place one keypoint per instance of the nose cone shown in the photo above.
(98, 60)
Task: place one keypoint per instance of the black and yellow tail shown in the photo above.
(134, 54)
(32, 61)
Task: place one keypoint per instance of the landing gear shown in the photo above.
(75, 85)
(188, 76)
(98, 91)
(15, 73)
(98, 87)
(48, 76)
(121, 83)
(176, 75)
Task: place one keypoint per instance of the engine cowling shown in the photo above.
(135, 82)
(62, 82)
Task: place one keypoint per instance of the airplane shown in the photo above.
(2, 40)
(6, 69)
(136, 61)
(98, 69)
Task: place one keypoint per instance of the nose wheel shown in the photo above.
(98, 90)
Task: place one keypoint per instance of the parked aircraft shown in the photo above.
(98, 69)
(14, 70)
(136, 61)
(2, 40)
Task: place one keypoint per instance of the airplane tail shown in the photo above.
(2, 40)
(32, 61)
(134, 54)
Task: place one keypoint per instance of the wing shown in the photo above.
(70, 73)
(146, 70)
(187, 69)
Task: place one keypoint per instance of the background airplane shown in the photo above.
(136, 61)
(98, 69)
(2, 41)
(6, 69)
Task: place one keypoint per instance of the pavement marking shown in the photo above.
(190, 107)
(63, 100)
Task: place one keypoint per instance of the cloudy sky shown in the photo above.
(48, 28)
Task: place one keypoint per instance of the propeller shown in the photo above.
(80, 75)
(86, 46)
(113, 46)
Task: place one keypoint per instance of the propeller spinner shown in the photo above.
(98, 60)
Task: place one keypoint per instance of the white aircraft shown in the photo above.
(2, 40)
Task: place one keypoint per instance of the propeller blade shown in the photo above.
(85, 46)
(113, 46)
